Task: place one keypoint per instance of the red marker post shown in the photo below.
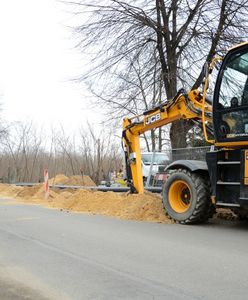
(46, 183)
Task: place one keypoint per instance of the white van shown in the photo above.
(159, 159)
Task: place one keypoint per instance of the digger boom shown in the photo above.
(184, 106)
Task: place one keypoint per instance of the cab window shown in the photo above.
(231, 117)
(234, 84)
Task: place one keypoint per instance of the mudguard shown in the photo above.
(192, 165)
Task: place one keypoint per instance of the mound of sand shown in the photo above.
(147, 207)
(9, 190)
(58, 179)
(72, 180)
(134, 207)
(27, 192)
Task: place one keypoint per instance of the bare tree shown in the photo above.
(101, 153)
(153, 48)
(25, 152)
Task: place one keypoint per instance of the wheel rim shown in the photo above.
(179, 196)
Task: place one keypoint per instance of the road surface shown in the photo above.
(52, 254)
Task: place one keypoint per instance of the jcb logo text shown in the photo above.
(153, 119)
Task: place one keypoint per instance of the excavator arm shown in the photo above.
(187, 106)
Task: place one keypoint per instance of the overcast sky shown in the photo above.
(37, 62)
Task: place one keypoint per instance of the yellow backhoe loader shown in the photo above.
(194, 188)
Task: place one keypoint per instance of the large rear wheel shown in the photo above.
(186, 197)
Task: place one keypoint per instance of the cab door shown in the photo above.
(230, 107)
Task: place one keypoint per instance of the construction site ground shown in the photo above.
(147, 207)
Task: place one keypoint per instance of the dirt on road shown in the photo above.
(147, 207)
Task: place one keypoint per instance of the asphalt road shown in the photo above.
(52, 254)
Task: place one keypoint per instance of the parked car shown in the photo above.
(153, 162)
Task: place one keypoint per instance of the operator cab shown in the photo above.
(230, 107)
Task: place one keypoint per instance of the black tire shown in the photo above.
(211, 208)
(197, 206)
(210, 211)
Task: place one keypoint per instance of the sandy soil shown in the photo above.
(147, 207)
(72, 180)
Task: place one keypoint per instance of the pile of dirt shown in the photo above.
(72, 180)
(27, 192)
(8, 190)
(58, 179)
(147, 207)
(225, 214)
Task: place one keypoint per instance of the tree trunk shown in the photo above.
(153, 138)
(178, 133)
